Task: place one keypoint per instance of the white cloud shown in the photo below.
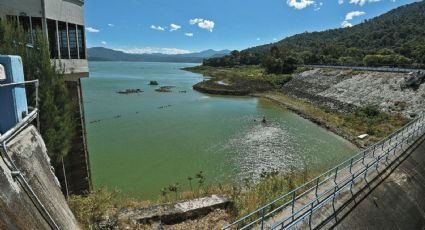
(111, 25)
(157, 28)
(195, 21)
(353, 14)
(92, 30)
(349, 16)
(175, 27)
(362, 2)
(299, 4)
(189, 34)
(258, 39)
(203, 23)
(103, 42)
(345, 24)
(318, 6)
(340, 2)
(151, 50)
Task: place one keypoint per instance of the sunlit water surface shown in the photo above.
(140, 143)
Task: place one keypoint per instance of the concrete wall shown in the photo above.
(71, 66)
(17, 211)
(397, 203)
(76, 178)
(31, 8)
(71, 11)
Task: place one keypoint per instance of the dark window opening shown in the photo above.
(37, 26)
(72, 30)
(24, 22)
(52, 34)
(81, 42)
(63, 40)
(12, 19)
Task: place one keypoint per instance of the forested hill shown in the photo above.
(396, 38)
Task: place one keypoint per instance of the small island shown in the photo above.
(130, 91)
(153, 83)
(164, 89)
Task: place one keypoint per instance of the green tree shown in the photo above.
(56, 109)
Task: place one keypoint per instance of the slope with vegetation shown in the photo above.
(396, 38)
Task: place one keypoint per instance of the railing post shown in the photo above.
(317, 186)
(336, 174)
(351, 166)
(262, 219)
(364, 155)
(293, 205)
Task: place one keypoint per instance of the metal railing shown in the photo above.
(363, 68)
(325, 187)
(15, 172)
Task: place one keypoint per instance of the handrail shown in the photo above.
(262, 213)
(365, 68)
(4, 155)
(36, 84)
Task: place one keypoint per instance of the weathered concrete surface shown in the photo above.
(344, 90)
(175, 213)
(397, 203)
(17, 211)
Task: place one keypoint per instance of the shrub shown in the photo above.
(93, 207)
(56, 109)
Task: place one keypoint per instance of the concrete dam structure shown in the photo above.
(18, 205)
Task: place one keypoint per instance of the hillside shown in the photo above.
(104, 54)
(395, 38)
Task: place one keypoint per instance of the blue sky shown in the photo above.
(180, 26)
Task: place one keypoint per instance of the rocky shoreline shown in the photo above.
(352, 139)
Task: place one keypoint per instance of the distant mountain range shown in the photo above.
(105, 54)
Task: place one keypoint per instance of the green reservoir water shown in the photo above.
(140, 143)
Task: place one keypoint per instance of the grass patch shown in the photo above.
(243, 72)
(101, 204)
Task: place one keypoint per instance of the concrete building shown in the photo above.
(62, 23)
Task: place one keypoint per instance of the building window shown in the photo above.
(37, 26)
(12, 19)
(25, 23)
(63, 40)
(72, 30)
(81, 42)
(53, 37)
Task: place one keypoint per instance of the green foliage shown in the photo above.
(278, 62)
(244, 72)
(391, 60)
(397, 36)
(56, 120)
(93, 207)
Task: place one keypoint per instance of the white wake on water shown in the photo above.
(264, 148)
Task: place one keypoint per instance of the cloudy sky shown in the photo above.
(181, 26)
